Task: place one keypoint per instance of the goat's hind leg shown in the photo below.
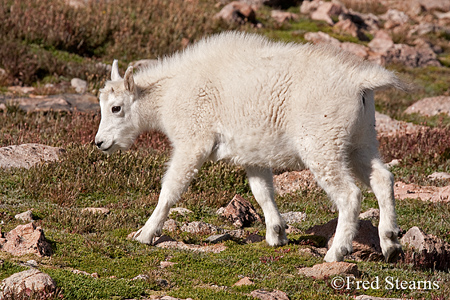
(372, 172)
(261, 184)
(335, 178)
(182, 169)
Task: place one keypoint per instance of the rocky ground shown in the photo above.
(411, 35)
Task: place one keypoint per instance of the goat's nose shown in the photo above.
(99, 144)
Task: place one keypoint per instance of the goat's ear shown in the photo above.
(129, 81)
(115, 71)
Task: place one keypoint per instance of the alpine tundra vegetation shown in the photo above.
(262, 105)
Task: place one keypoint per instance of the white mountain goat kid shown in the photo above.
(260, 104)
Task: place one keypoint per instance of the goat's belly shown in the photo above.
(268, 154)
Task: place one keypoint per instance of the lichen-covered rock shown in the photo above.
(30, 282)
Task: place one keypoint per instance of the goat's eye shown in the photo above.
(116, 109)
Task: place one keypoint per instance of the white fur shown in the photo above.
(244, 99)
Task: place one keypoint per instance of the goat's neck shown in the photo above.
(148, 107)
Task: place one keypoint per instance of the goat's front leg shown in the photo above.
(182, 168)
(261, 183)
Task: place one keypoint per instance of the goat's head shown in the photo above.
(118, 126)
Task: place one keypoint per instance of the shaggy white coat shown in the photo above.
(263, 105)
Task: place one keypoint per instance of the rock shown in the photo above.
(381, 42)
(79, 85)
(244, 281)
(394, 18)
(365, 297)
(431, 106)
(166, 264)
(347, 26)
(254, 238)
(218, 238)
(321, 38)
(412, 56)
(439, 175)
(181, 211)
(21, 89)
(429, 250)
(425, 193)
(386, 126)
(289, 182)
(241, 212)
(265, 295)
(282, 16)
(170, 225)
(199, 227)
(326, 11)
(28, 155)
(308, 7)
(294, 217)
(237, 12)
(26, 239)
(325, 270)
(366, 244)
(96, 210)
(190, 247)
(357, 49)
(368, 22)
(372, 213)
(62, 102)
(22, 284)
(25, 216)
(393, 163)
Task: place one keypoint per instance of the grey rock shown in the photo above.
(273, 295)
(27, 155)
(293, 217)
(430, 106)
(199, 227)
(62, 102)
(25, 216)
(79, 85)
(218, 238)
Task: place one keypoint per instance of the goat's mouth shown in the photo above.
(108, 149)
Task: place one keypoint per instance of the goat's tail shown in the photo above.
(375, 77)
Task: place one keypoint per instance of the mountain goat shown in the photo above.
(260, 104)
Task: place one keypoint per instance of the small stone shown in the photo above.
(365, 297)
(181, 211)
(294, 217)
(198, 227)
(141, 277)
(79, 85)
(439, 175)
(218, 238)
(25, 216)
(96, 210)
(321, 271)
(166, 264)
(265, 295)
(372, 213)
(244, 281)
(241, 212)
(170, 225)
